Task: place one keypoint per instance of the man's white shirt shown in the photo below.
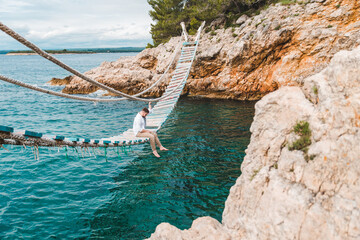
(139, 123)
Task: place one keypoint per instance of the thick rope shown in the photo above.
(50, 92)
(47, 56)
(16, 139)
(43, 90)
(166, 70)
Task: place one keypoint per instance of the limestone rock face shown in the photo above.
(278, 47)
(307, 194)
(60, 81)
(242, 19)
(202, 228)
(129, 74)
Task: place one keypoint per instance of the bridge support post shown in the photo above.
(186, 36)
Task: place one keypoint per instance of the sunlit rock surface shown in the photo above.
(283, 194)
(278, 47)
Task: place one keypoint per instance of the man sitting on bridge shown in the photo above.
(140, 131)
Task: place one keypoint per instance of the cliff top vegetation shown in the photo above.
(168, 14)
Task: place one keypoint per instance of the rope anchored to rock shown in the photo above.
(49, 57)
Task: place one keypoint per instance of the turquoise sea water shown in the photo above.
(127, 196)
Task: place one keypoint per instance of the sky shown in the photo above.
(59, 24)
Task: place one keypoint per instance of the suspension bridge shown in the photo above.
(186, 48)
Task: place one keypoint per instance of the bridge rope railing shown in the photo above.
(49, 57)
(160, 113)
(69, 96)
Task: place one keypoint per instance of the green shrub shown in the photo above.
(315, 90)
(277, 27)
(302, 129)
(287, 2)
(213, 33)
(234, 35)
(255, 172)
(257, 12)
(149, 45)
(276, 165)
(300, 144)
(168, 14)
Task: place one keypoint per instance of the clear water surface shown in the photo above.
(76, 195)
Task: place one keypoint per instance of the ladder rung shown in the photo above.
(177, 75)
(6, 129)
(176, 79)
(32, 134)
(184, 65)
(163, 108)
(186, 59)
(185, 48)
(167, 102)
(181, 72)
(187, 55)
(189, 43)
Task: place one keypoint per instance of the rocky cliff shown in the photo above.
(301, 174)
(278, 47)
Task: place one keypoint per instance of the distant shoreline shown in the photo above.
(77, 51)
(59, 53)
(31, 54)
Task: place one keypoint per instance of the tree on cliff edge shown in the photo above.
(168, 14)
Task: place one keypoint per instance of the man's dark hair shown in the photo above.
(146, 110)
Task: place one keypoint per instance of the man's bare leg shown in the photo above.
(157, 140)
(152, 141)
(156, 154)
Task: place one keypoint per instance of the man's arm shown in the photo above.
(150, 107)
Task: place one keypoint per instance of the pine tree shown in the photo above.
(168, 14)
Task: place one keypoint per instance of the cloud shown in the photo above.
(77, 23)
(12, 6)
